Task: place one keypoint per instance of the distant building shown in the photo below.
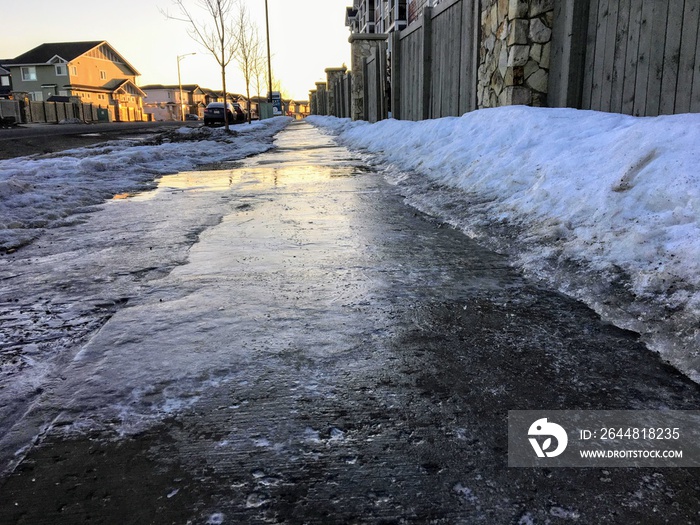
(94, 72)
(415, 8)
(5, 81)
(384, 16)
(377, 16)
(298, 109)
(163, 101)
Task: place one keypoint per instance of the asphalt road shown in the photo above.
(330, 355)
(30, 139)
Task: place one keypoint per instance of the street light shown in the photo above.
(269, 66)
(179, 83)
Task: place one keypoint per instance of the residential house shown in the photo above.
(5, 82)
(211, 95)
(378, 16)
(94, 72)
(299, 109)
(163, 101)
(384, 16)
(390, 15)
(415, 8)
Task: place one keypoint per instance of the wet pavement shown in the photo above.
(320, 352)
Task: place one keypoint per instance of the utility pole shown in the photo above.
(269, 65)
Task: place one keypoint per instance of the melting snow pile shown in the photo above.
(46, 191)
(605, 205)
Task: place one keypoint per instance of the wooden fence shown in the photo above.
(10, 112)
(51, 112)
(638, 57)
(341, 97)
(54, 112)
(434, 63)
(642, 57)
(375, 86)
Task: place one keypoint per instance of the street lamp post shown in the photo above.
(179, 83)
(269, 66)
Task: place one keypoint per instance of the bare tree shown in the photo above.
(214, 31)
(250, 56)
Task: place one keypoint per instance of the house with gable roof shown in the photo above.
(164, 103)
(93, 72)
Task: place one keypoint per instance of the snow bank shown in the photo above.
(46, 191)
(605, 205)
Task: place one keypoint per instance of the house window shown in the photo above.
(28, 73)
(103, 75)
(74, 71)
(101, 96)
(61, 70)
(4, 81)
(36, 96)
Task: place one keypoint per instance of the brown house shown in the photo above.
(94, 72)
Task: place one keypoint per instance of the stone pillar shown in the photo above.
(362, 46)
(313, 106)
(334, 76)
(515, 52)
(321, 98)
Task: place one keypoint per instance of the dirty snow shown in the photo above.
(606, 206)
(47, 191)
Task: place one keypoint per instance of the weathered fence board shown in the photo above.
(611, 46)
(411, 73)
(687, 60)
(695, 101)
(621, 39)
(631, 62)
(656, 58)
(436, 62)
(669, 78)
(373, 95)
(446, 60)
(640, 55)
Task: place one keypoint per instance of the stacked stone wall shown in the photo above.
(514, 54)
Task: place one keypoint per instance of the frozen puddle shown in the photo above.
(178, 283)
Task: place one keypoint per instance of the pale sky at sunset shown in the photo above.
(306, 36)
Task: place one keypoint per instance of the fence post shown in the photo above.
(568, 53)
(427, 62)
(379, 72)
(348, 95)
(365, 91)
(395, 82)
(469, 63)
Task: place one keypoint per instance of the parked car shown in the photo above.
(240, 114)
(214, 113)
(191, 116)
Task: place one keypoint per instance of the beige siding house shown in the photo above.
(93, 72)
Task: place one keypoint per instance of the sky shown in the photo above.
(306, 37)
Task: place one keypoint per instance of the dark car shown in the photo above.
(214, 113)
(191, 116)
(240, 114)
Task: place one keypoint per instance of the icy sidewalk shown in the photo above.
(604, 206)
(324, 354)
(76, 276)
(89, 257)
